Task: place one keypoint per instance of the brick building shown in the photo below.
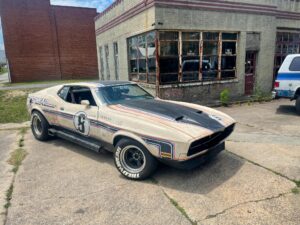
(194, 49)
(45, 42)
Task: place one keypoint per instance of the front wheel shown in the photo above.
(39, 126)
(133, 160)
(298, 105)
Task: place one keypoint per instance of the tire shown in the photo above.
(39, 126)
(133, 160)
(298, 105)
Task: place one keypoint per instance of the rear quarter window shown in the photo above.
(295, 65)
(63, 93)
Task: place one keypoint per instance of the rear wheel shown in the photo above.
(133, 160)
(298, 105)
(39, 126)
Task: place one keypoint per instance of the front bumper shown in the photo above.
(196, 161)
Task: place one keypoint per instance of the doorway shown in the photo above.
(250, 70)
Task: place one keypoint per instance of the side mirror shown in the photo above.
(85, 102)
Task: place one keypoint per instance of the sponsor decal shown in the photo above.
(166, 149)
(41, 101)
(82, 123)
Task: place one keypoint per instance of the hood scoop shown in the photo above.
(179, 118)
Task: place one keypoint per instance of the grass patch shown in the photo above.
(180, 209)
(16, 159)
(296, 191)
(3, 70)
(297, 182)
(13, 106)
(9, 196)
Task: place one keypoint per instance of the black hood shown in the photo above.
(176, 112)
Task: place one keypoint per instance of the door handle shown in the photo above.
(62, 108)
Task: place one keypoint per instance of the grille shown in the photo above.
(210, 141)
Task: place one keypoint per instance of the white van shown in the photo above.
(287, 84)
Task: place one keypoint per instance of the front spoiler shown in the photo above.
(196, 161)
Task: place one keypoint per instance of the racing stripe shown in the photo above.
(288, 76)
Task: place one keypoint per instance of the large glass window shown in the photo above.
(116, 60)
(210, 62)
(169, 57)
(190, 56)
(107, 62)
(101, 63)
(286, 43)
(228, 60)
(142, 58)
(183, 56)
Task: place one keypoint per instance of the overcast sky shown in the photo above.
(99, 4)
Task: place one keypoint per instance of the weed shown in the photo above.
(225, 97)
(180, 209)
(295, 191)
(9, 196)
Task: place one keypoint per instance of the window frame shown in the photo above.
(135, 76)
(79, 86)
(216, 37)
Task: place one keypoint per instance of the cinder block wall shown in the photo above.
(48, 43)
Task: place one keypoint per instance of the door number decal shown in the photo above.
(82, 123)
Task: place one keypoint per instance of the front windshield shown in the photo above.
(120, 93)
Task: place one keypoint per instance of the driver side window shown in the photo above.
(76, 94)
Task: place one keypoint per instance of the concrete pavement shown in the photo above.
(61, 183)
(7, 144)
(268, 134)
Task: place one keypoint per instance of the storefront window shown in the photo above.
(190, 56)
(210, 62)
(286, 43)
(142, 57)
(169, 57)
(183, 56)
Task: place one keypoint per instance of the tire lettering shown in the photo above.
(121, 169)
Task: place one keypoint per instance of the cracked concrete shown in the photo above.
(61, 183)
(8, 141)
(269, 135)
(282, 210)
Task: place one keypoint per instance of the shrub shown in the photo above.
(225, 97)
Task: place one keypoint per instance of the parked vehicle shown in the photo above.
(287, 84)
(124, 118)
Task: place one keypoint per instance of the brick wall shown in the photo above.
(77, 42)
(42, 41)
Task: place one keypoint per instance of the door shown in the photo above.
(250, 69)
(78, 117)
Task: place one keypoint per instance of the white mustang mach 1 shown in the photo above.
(138, 128)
